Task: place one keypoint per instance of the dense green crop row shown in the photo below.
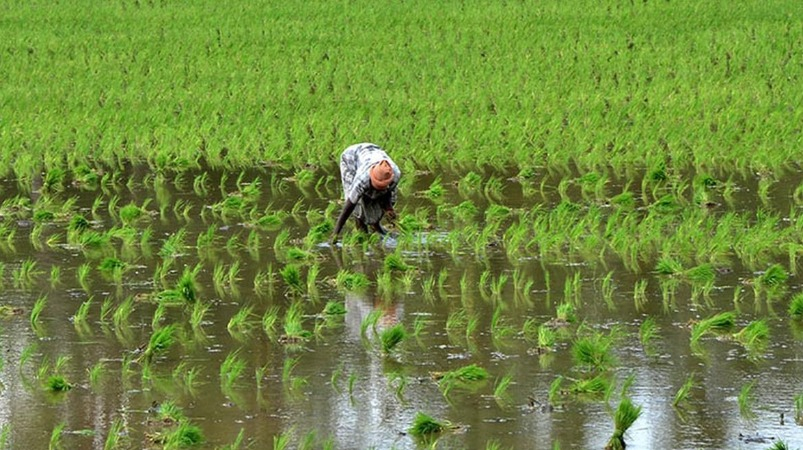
(524, 83)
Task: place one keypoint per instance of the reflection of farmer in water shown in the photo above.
(370, 179)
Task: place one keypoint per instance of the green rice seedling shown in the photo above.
(231, 369)
(472, 323)
(233, 275)
(5, 433)
(722, 323)
(82, 274)
(116, 438)
(391, 337)
(351, 281)
(269, 320)
(640, 294)
(465, 377)
(745, 400)
(294, 331)
(184, 435)
(198, 315)
(565, 313)
(593, 352)
(501, 386)
(754, 337)
(334, 308)
(291, 274)
(546, 337)
(219, 278)
(799, 409)
(648, 330)
(130, 213)
(160, 341)
(624, 417)
(287, 369)
(493, 189)
(774, 278)
(95, 372)
(57, 383)
(281, 241)
(779, 445)
(682, 395)
(369, 321)
(394, 262)
(597, 386)
(312, 278)
(282, 441)
(26, 274)
(425, 426)
(419, 324)
(352, 380)
(55, 276)
(174, 245)
(703, 274)
(241, 323)
(36, 311)
(80, 316)
(499, 329)
(55, 437)
(123, 312)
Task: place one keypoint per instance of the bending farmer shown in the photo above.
(369, 180)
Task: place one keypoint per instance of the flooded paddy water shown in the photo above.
(271, 337)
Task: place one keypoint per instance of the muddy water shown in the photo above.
(343, 392)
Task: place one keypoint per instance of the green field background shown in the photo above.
(500, 85)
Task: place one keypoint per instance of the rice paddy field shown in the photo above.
(599, 237)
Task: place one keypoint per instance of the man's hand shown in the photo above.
(333, 240)
(391, 215)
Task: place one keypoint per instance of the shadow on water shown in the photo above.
(477, 272)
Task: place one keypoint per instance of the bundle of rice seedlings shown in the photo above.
(425, 425)
(392, 336)
(626, 414)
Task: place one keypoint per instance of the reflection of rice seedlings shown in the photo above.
(219, 278)
(640, 294)
(754, 337)
(472, 323)
(160, 341)
(624, 417)
(799, 409)
(593, 352)
(37, 309)
(199, 310)
(418, 326)
(282, 441)
(240, 322)
(312, 278)
(497, 286)
(796, 307)
(55, 437)
(280, 242)
(682, 395)
(287, 369)
(425, 425)
(131, 212)
(745, 400)
(231, 369)
(116, 437)
(391, 337)
(233, 275)
(456, 320)
(648, 330)
(351, 382)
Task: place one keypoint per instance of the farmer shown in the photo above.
(369, 180)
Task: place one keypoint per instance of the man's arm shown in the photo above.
(348, 208)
